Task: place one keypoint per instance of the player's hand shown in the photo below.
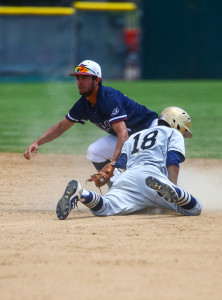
(103, 176)
(32, 148)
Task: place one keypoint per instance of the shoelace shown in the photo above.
(74, 202)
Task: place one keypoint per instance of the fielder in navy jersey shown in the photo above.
(112, 107)
(151, 159)
(106, 108)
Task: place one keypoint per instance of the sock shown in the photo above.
(92, 200)
(99, 166)
(185, 199)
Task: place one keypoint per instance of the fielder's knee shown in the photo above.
(93, 154)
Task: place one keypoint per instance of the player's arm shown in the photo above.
(122, 134)
(174, 158)
(173, 173)
(51, 134)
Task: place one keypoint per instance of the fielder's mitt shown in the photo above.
(103, 176)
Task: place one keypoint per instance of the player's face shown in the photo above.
(86, 84)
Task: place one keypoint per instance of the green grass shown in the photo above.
(28, 109)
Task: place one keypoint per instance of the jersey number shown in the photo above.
(149, 141)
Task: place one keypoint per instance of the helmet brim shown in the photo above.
(187, 134)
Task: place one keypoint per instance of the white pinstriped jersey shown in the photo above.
(151, 146)
(146, 156)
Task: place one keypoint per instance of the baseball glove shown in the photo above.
(103, 176)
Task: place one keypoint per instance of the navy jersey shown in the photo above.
(111, 107)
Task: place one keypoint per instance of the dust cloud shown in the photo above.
(203, 179)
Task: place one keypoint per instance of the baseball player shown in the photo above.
(106, 108)
(151, 158)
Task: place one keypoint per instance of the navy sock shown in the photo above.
(92, 200)
(185, 199)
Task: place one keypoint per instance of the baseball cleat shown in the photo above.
(164, 190)
(65, 204)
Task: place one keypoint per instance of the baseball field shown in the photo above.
(152, 254)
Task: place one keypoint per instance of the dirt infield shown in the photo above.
(148, 255)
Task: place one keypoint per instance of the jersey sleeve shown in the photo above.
(114, 107)
(176, 144)
(77, 113)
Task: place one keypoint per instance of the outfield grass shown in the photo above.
(28, 109)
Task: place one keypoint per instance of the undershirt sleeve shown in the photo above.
(174, 158)
(121, 163)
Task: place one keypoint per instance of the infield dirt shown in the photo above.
(148, 255)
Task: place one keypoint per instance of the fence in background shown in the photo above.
(49, 42)
(176, 39)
